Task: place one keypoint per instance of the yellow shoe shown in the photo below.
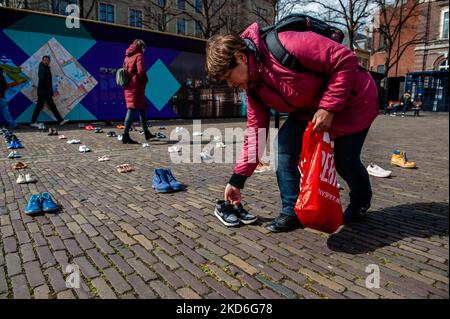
(400, 159)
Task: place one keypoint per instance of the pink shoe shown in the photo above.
(62, 137)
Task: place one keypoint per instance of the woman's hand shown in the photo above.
(232, 194)
(322, 120)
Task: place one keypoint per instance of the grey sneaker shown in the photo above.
(244, 216)
(225, 212)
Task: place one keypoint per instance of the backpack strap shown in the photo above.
(277, 49)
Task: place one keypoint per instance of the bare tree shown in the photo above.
(158, 14)
(86, 13)
(207, 15)
(351, 15)
(396, 19)
(278, 9)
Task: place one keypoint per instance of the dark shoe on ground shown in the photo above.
(355, 213)
(111, 134)
(148, 135)
(284, 223)
(126, 139)
(176, 185)
(244, 216)
(225, 212)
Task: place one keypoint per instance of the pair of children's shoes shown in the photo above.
(43, 203)
(25, 179)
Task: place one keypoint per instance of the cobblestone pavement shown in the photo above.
(130, 242)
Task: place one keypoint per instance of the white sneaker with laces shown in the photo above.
(83, 149)
(174, 149)
(377, 171)
(21, 179)
(220, 145)
(74, 142)
(29, 178)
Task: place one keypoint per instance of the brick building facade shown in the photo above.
(431, 54)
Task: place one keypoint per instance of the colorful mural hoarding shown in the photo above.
(84, 62)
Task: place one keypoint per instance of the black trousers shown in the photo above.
(40, 105)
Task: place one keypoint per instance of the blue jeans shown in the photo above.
(130, 117)
(6, 115)
(347, 151)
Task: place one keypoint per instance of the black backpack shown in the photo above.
(294, 22)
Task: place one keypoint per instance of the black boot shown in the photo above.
(148, 135)
(354, 213)
(284, 223)
(126, 139)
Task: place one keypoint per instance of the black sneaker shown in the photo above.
(244, 216)
(284, 223)
(224, 211)
(355, 213)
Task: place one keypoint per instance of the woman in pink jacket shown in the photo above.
(135, 90)
(333, 91)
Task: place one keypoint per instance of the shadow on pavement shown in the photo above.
(387, 226)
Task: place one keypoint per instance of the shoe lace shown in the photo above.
(170, 177)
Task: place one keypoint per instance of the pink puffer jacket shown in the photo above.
(334, 82)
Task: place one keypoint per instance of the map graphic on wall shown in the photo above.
(71, 81)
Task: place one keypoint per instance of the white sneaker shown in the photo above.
(174, 149)
(220, 145)
(377, 171)
(36, 124)
(120, 137)
(29, 178)
(21, 179)
(74, 142)
(41, 126)
(83, 149)
(205, 157)
(145, 145)
(14, 154)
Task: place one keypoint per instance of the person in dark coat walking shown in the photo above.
(45, 92)
(135, 90)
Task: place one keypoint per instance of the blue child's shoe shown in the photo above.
(34, 205)
(176, 185)
(160, 182)
(48, 205)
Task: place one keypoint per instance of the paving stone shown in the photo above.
(103, 290)
(119, 284)
(34, 274)
(20, 287)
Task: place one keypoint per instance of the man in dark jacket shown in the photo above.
(4, 110)
(45, 92)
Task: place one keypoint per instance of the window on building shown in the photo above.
(444, 65)
(106, 13)
(198, 6)
(381, 42)
(135, 18)
(444, 24)
(181, 5)
(181, 26)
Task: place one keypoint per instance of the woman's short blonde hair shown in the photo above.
(140, 44)
(220, 58)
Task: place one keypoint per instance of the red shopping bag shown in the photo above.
(318, 205)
